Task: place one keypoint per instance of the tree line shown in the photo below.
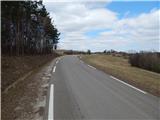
(149, 60)
(146, 60)
(26, 28)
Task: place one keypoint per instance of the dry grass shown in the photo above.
(120, 68)
(26, 99)
(14, 67)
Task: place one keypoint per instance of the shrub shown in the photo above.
(146, 60)
(89, 52)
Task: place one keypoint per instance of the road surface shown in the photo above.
(79, 91)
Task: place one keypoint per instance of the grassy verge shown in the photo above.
(15, 67)
(120, 68)
(26, 99)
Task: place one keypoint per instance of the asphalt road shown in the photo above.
(83, 92)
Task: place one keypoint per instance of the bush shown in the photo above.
(146, 60)
(89, 52)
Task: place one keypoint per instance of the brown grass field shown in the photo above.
(120, 68)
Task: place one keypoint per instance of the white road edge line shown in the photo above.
(54, 69)
(81, 61)
(57, 61)
(91, 66)
(51, 103)
(129, 85)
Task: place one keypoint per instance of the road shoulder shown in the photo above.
(27, 100)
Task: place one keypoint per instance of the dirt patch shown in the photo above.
(26, 101)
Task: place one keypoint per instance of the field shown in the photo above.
(120, 68)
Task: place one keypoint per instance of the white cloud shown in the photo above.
(74, 19)
(71, 17)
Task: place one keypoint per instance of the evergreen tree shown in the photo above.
(27, 28)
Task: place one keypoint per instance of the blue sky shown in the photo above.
(132, 8)
(122, 26)
(127, 9)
